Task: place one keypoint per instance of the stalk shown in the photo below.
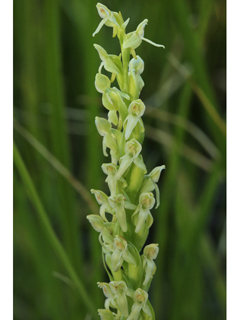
(125, 217)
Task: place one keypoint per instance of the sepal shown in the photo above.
(103, 126)
(108, 60)
(96, 222)
(102, 83)
(106, 314)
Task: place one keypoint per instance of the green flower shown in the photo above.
(120, 291)
(118, 204)
(142, 214)
(102, 199)
(136, 67)
(134, 39)
(104, 228)
(140, 298)
(150, 183)
(107, 16)
(112, 98)
(121, 253)
(132, 151)
(111, 63)
(109, 302)
(111, 19)
(111, 169)
(135, 111)
(150, 252)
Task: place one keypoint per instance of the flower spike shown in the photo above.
(125, 211)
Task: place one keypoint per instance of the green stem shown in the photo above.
(125, 59)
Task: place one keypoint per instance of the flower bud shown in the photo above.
(136, 65)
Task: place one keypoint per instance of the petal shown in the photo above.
(112, 183)
(147, 185)
(149, 220)
(111, 67)
(157, 195)
(125, 163)
(110, 142)
(142, 216)
(104, 148)
(129, 205)
(153, 43)
(100, 26)
(131, 123)
(122, 303)
(136, 308)
(96, 222)
(139, 163)
(106, 314)
(102, 83)
(103, 126)
(147, 310)
(112, 116)
(133, 41)
(121, 216)
(124, 95)
(117, 260)
(156, 172)
(102, 52)
(107, 102)
(150, 270)
(128, 257)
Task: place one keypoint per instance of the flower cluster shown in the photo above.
(124, 216)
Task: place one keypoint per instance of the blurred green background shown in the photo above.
(58, 155)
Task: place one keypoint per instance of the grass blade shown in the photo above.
(50, 233)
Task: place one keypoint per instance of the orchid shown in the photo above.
(125, 214)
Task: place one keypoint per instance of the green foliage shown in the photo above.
(55, 104)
